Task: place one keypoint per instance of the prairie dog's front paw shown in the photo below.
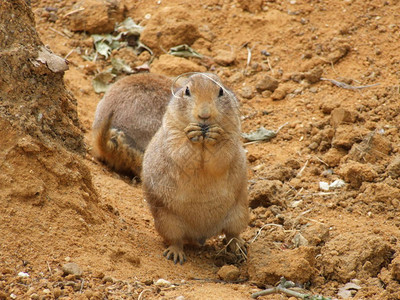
(213, 134)
(194, 132)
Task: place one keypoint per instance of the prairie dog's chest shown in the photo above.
(199, 195)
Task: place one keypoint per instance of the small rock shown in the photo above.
(13, 296)
(313, 146)
(57, 292)
(324, 186)
(180, 298)
(225, 57)
(22, 274)
(341, 115)
(267, 83)
(314, 75)
(168, 27)
(299, 240)
(338, 183)
(394, 168)
(252, 6)
(163, 283)
(108, 279)
(394, 268)
(34, 296)
(97, 16)
(246, 92)
(71, 269)
(148, 282)
(278, 94)
(229, 273)
(333, 156)
(328, 106)
(356, 173)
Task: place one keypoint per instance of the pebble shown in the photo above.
(71, 269)
(163, 283)
(246, 92)
(267, 83)
(13, 296)
(108, 279)
(278, 94)
(229, 273)
(23, 274)
(180, 298)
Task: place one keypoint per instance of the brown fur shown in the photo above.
(127, 118)
(194, 169)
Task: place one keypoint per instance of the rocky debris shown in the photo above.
(337, 54)
(267, 83)
(311, 76)
(266, 193)
(96, 16)
(347, 135)
(267, 264)
(246, 92)
(279, 94)
(169, 27)
(315, 234)
(374, 147)
(394, 268)
(354, 255)
(333, 156)
(252, 6)
(348, 290)
(380, 195)
(393, 168)
(356, 173)
(224, 57)
(342, 116)
(229, 273)
(173, 66)
(162, 283)
(72, 269)
(328, 106)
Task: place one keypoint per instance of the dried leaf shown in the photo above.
(102, 81)
(260, 134)
(184, 51)
(53, 62)
(129, 26)
(119, 66)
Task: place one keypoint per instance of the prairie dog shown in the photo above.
(194, 169)
(126, 119)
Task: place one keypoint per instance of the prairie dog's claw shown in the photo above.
(175, 253)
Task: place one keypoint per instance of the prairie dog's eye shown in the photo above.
(221, 92)
(187, 91)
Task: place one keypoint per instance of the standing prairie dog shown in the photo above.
(194, 169)
(127, 118)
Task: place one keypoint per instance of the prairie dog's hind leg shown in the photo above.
(170, 228)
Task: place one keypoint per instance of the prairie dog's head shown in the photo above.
(203, 99)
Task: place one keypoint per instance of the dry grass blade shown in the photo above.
(348, 86)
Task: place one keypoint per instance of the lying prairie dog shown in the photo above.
(127, 118)
(194, 169)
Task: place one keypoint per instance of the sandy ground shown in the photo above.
(280, 58)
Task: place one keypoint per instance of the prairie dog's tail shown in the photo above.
(110, 145)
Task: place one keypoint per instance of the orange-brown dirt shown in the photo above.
(58, 205)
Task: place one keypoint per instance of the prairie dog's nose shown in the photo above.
(204, 113)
